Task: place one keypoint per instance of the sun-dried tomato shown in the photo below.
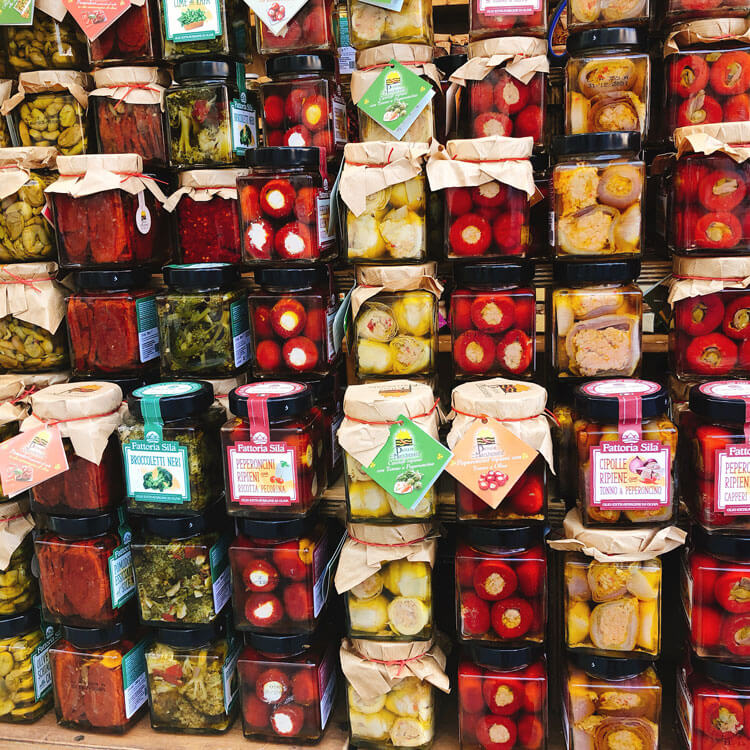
(103, 698)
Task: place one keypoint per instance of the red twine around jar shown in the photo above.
(126, 175)
(53, 422)
(393, 662)
(396, 421)
(26, 392)
(679, 277)
(362, 164)
(21, 280)
(545, 413)
(394, 544)
(135, 87)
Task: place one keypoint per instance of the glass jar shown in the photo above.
(502, 699)
(284, 206)
(598, 187)
(677, 11)
(170, 446)
(373, 25)
(501, 586)
(31, 348)
(493, 320)
(493, 19)
(607, 81)
(288, 687)
(310, 30)
(626, 453)
(280, 575)
(133, 38)
(98, 676)
(583, 14)
(19, 589)
(610, 701)
(328, 395)
(46, 44)
(204, 656)
(541, 211)
(302, 105)
(595, 325)
(275, 428)
(107, 301)
(203, 321)
(713, 463)
(612, 608)
(24, 652)
(181, 569)
(292, 321)
(63, 121)
(85, 570)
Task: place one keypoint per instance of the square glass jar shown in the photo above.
(133, 38)
(46, 44)
(372, 26)
(54, 118)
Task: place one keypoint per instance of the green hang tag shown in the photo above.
(396, 98)
(409, 462)
(16, 12)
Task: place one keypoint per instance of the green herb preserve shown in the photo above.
(170, 448)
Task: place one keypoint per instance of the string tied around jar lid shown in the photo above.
(401, 663)
(394, 421)
(367, 164)
(15, 279)
(484, 417)
(136, 87)
(125, 176)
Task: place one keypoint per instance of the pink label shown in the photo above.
(732, 495)
(262, 474)
(320, 561)
(503, 7)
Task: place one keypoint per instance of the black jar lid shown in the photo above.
(95, 637)
(609, 668)
(323, 387)
(598, 399)
(613, 271)
(178, 399)
(283, 64)
(288, 528)
(15, 625)
(596, 143)
(283, 157)
(83, 526)
(737, 675)
(505, 658)
(201, 275)
(492, 274)
(518, 537)
(198, 635)
(179, 527)
(449, 64)
(290, 399)
(720, 400)
(126, 278)
(731, 546)
(292, 277)
(279, 644)
(615, 36)
(209, 70)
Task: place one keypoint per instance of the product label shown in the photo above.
(327, 686)
(264, 474)
(409, 463)
(192, 20)
(148, 328)
(16, 12)
(244, 125)
(732, 493)
(240, 322)
(31, 458)
(339, 121)
(40, 665)
(121, 574)
(320, 580)
(157, 472)
(142, 214)
(334, 344)
(337, 452)
(96, 16)
(503, 7)
(229, 675)
(347, 60)
(684, 707)
(218, 558)
(323, 212)
(134, 678)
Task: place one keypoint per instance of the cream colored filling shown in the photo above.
(471, 235)
(297, 357)
(288, 321)
(294, 244)
(474, 352)
(499, 733)
(275, 199)
(511, 618)
(512, 356)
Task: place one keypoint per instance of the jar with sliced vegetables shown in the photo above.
(374, 25)
(132, 38)
(19, 590)
(48, 43)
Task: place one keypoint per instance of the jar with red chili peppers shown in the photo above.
(302, 104)
(97, 677)
(309, 31)
(274, 451)
(280, 575)
(502, 699)
(288, 687)
(107, 301)
(493, 320)
(85, 570)
(491, 19)
(133, 38)
(292, 321)
(501, 586)
(284, 206)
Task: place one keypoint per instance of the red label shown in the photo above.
(96, 16)
(31, 458)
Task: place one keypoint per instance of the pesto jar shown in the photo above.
(203, 321)
(170, 448)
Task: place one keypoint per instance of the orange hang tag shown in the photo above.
(489, 459)
(31, 458)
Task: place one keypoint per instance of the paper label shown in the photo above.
(240, 322)
(327, 686)
(347, 60)
(121, 574)
(40, 666)
(334, 343)
(684, 707)
(732, 493)
(147, 323)
(339, 121)
(142, 215)
(16, 12)
(409, 463)
(218, 558)
(157, 472)
(31, 458)
(507, 7)
(323, 212)
(229, 676)
(244, 125)
(134, 678)
(489, 460)
(191, 20)
(264, 474)
(96, 16)
(337, 451)
(276, 14)
(395, 99)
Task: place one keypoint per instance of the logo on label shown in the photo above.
(630, 436)
(260, 438)
(152, 437)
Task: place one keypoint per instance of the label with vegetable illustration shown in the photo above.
(409, 462)
(275, 14)
(244, 125)
(395, 99)
(157, 472)
(16, 13)
(96, 16)
(263, 474)
(31, 458)
(192, 20)
(489, 459)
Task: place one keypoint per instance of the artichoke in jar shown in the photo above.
(25, 235)
(25, 347)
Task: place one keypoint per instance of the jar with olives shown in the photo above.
(48, 43)
(132, 38)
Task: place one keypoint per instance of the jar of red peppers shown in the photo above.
(501, 586)
(292, 321)
(309, 30)
(492, 18)
(85, 569)
(502, 699)
(288, 686)
(493, 320)
(302, 104)
(504, 484)
(97, 676)
(207, 214)
(87, 416)
(284, 206)
(132, 38)
(274, 451)
(280, 571)
(108, 214)
(129, 113)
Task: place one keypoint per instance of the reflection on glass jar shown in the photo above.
(309, 31)
(45, 44)
(583, 14)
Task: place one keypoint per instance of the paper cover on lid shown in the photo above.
(39, 81)
(15, 524)
(41, 303)
(204, 184)
(521, 56)
(693, 277)
(706, 31)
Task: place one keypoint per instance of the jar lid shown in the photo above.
(279, 644)
(288, 528)
(283, 157)
(609, 668)
(613, 271)
(489, 274)
(732, 546)
(177, 400)
(737, 675)
(199, 635)
(292, 277)
(323, 388)
(449, 64)
(84, 526)
(282, 400)
(201, 275)
(616, 36)
(721, 400)
(65, 401)
(518, 537)
(596, 143)
(127, 385)
(129, 278)
(178, 527)
(15, 625)
(94, 637)
(600, 399)
(299, 64)
(208, 69)
(505, 658)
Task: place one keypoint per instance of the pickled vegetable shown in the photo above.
(52, 119)
(370, 25)
(46, 44)
(17, 689)
(25, 347)
(25, 235)
(19, 589)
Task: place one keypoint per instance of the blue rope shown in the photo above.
(555, 20)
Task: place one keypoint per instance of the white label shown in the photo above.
(320, 571)
(157, 472)
(347, 60)
(239, 317)
(143, 215)
(732, 493)
(134, 678)
(621, 387)
(339, 121)
(727, 388)
(148, 328)
(41, 668)
(326, 698)
(684, 707)
(333, 343)
(121, 575)
(323, 211)
(263, 474)
(222, 589)
(502, 7)
(228, 674)
(244, 126)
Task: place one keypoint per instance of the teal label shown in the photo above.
(218, 558)
(192, 20)
(40, 665)
(240, 322)
(229, 674)
(157, 471)
(148, 328)
(134, 678)
(121, 574)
